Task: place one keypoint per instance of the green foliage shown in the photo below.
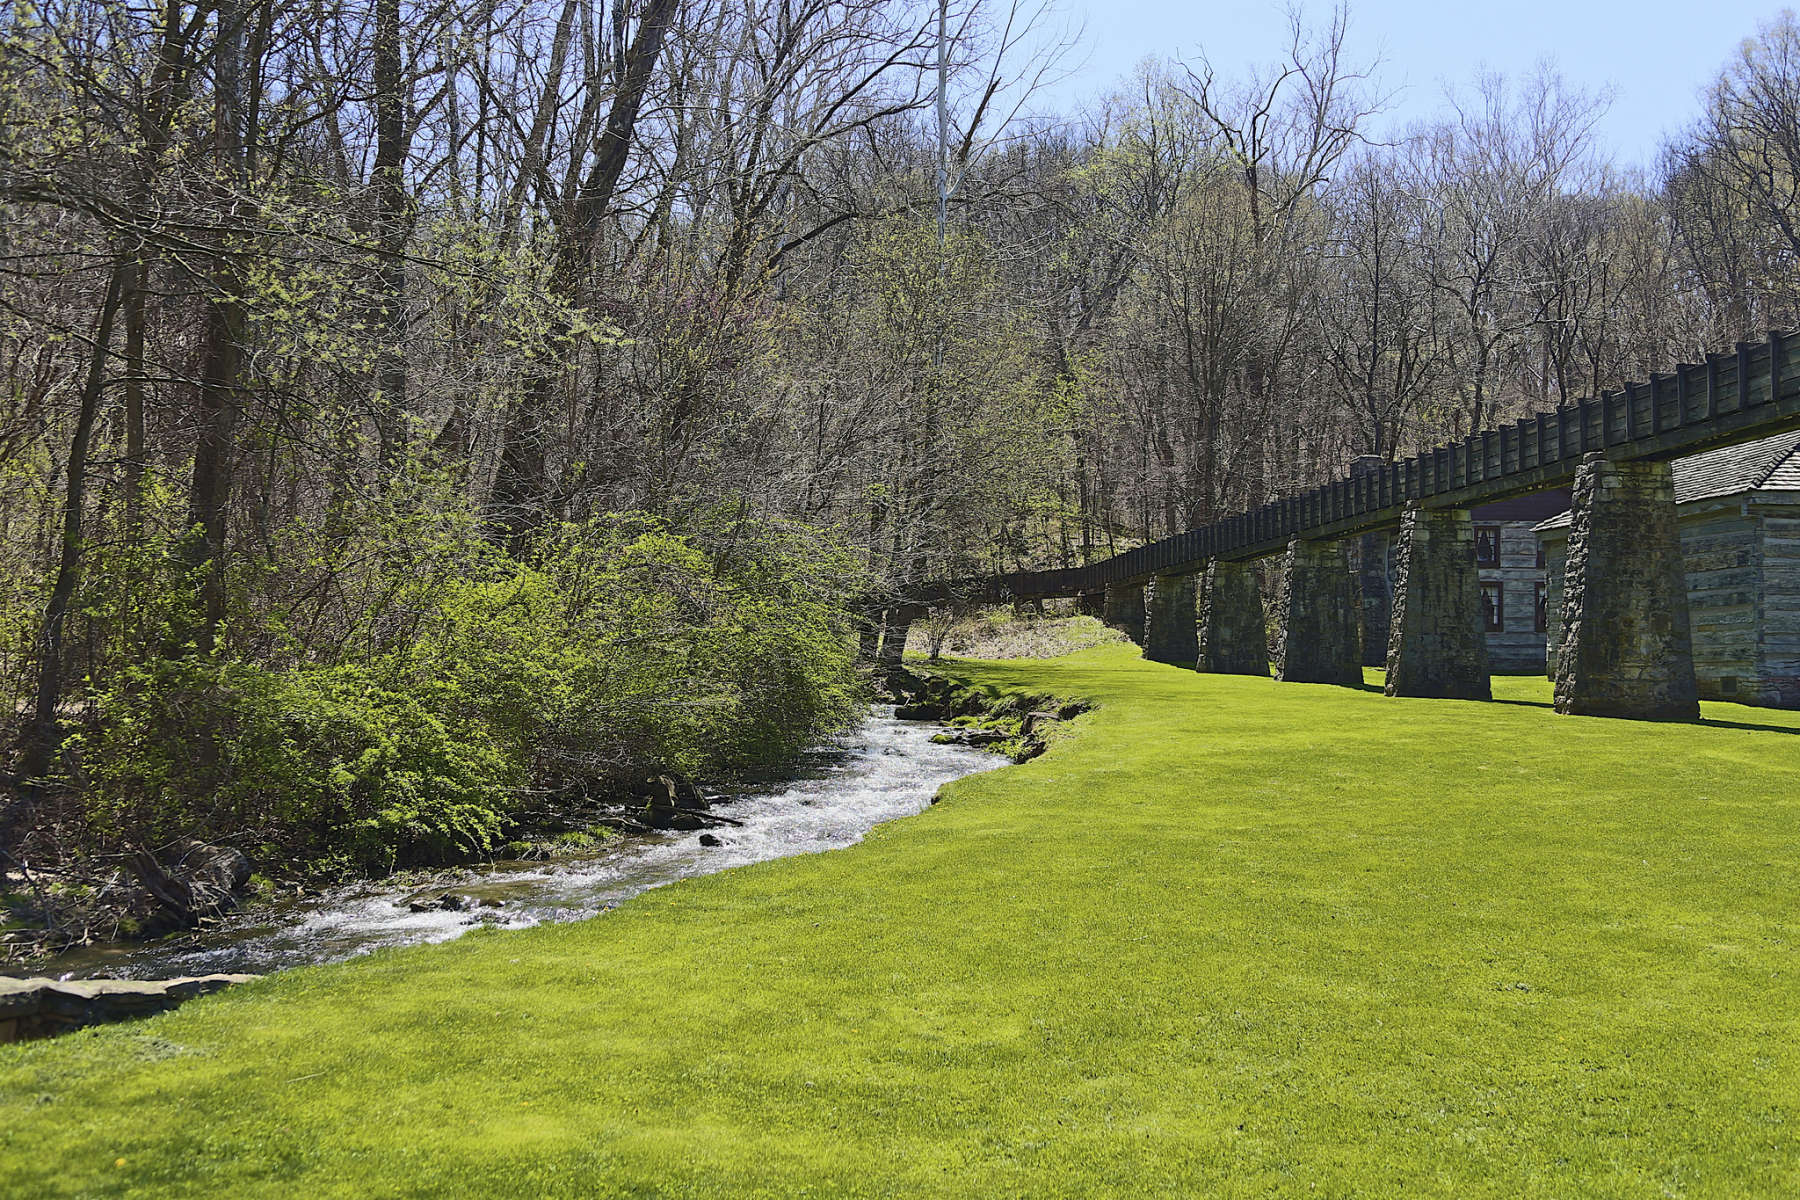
(620, 646)
(338, 760)
(980, 442)
(624, 645)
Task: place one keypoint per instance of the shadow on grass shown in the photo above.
(1709, 722)
(1714, 722)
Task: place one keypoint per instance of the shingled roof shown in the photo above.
(1771, 463)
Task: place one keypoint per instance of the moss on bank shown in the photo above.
(1016, 723)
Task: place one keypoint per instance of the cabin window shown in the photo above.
(1541, 622)
(1493, 607)
(1487, 545)
(1540, 554)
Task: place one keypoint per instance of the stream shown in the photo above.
(883, 769)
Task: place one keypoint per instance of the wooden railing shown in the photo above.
(1730, 398)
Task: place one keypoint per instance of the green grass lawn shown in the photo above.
(1229, 937)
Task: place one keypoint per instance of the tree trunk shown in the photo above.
(43, 737)
(392, 222)
(221, 376)
(132, 469)
(522, 484)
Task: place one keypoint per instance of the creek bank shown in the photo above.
(1013, 724)
(151, 893)
(877, 771)
(136, 896)
(184, 884)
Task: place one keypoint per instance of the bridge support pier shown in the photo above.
(1321, 617)
(1627, 647)
(1232, 637)
(1436, 643)
(1125, 609)
(1169, 616)
(1091, 604)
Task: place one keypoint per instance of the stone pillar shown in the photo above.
(1321, 620)
(1091, 604)
(1169, 616)
(1233, 639)
(1436, 645)
(1376, 591)
(1627, 649)
(1125, 609)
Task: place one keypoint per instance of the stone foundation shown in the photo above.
(1169, 620)
(1626, 645)
(35, 1008)
(1321, 617)
(1436, 643)
(1232, 637)
(1125, 609)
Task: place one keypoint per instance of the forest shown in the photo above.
(415, 412)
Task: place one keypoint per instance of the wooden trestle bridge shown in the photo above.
(1624, 621)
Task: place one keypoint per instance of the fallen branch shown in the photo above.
(708, 815)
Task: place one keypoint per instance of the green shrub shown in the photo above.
(336, 759)
(619, 647)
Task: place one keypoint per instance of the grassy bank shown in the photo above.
(1228, 937)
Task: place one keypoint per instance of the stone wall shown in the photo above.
(1374, 565)
(1125, 609)
(897, 626)
(1321, 630)
(1233, 639)
(1627, 648)
(1742, 562)
(35, 1008)
(1375, 587)
(1170, 614)
(1437, 646)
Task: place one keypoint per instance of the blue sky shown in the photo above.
(1656, 55)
